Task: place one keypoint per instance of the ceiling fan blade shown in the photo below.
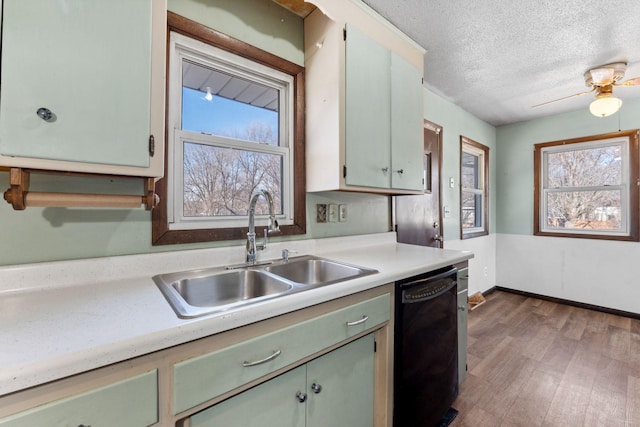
(631, 82)
(566, 97)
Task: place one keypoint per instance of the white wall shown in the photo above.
(602, 273)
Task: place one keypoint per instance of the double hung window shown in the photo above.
(233, 127)
(587, 187)
(474, 176)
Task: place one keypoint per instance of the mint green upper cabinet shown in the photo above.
(383, 117)
(363, 104)
(406, 126)
(77, 85)
(367, 100)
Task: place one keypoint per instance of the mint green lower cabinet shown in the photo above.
(336, 389)
(270, 404)
(199, 379)
(346, 380)
(129, 403)
(463, 312)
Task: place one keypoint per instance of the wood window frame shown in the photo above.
(634, 180)
(161, 234)
(485, 194)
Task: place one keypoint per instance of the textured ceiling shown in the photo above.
(496, 59)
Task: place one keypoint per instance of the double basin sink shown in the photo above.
(200, 292)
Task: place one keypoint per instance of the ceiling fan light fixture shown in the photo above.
(605, 105)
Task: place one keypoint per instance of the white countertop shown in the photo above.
(62, 318)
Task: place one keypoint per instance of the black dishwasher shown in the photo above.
(426, 348)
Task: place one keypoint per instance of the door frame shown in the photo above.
(438, 130)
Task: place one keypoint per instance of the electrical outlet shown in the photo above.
(486, 271)
(321, 212)
(332, 213)
(342, 213)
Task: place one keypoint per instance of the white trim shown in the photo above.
(184, 48)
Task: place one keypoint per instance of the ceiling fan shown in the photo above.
(601, 80)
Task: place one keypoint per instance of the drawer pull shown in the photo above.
(358, 322)
(261, 361)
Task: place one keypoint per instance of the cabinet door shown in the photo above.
(346, 378)
(463, 307)
(406, 126)
(89, 64)
(271, 404)
(129, 403)
(367, 102)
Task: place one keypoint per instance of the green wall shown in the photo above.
(51, 234)
(515, 157)
(261, 23)
(455, 122)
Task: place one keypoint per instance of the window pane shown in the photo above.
(470, 171)
(584, 210)
(584, 168)
(219, 181)
(471, 210)
(221, 104)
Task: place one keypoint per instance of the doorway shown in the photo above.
(418, 219)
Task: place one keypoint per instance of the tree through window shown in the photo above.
(587, 187)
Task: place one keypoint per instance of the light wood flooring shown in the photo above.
(538, 363)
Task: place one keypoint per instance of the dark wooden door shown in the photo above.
(419, 218)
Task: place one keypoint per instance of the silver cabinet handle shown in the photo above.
(400, 171)
(358, 322)
(316, 388)
(302, 397)
(462, 308)
(385, 170)
(261, 361)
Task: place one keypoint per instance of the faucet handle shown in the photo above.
(285, 254)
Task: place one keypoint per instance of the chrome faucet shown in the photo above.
(252, 246)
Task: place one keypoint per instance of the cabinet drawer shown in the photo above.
(132, 402)
(205, 377)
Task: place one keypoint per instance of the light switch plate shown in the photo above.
(332, 213)
(342, 213)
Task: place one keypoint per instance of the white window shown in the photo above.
(474, 163)
(585, 188)
(230, 127)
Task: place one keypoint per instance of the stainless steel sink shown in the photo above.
(308, 270)
(199, 292)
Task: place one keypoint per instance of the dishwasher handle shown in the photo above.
(424, 279)
(428, 291)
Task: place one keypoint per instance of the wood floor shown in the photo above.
(537, 363)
